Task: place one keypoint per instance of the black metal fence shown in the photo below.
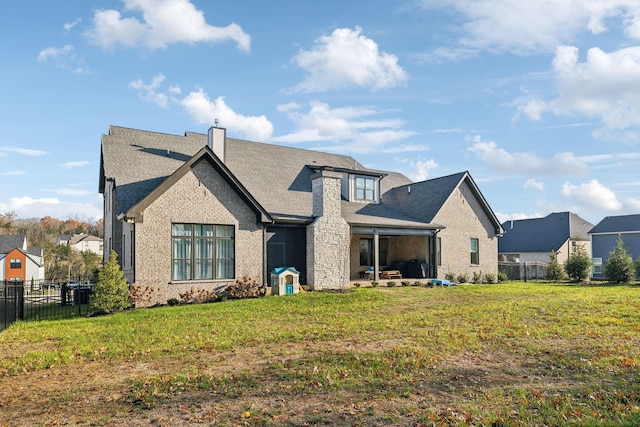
(524, 270)
(42, 301)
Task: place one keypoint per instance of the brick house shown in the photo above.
(201, 210)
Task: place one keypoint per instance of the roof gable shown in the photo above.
(12, 241)
(617, 224)
(205, 154)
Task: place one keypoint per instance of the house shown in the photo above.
(200, 210)
(604, 239)
(19, 262)
(81, 242)
(531, 241)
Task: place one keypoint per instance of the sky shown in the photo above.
(538, 100)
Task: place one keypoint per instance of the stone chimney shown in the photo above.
(217, 141)
(328, 237)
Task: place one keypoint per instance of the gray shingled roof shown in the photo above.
(542, 234)
(618, 224)
(8, 242)
(278, 177)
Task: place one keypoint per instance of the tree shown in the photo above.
(578, 265)
(619, 266)
(637, 266)
(112, 291)
(555, 272)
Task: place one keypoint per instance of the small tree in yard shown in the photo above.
(112, 290)
(555, 272)
(578, 265)
(619, 266)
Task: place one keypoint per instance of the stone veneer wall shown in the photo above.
(201, 197)
(465, 219)
(327, 236)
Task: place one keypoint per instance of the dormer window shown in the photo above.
(365, 188)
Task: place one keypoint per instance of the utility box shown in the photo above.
(285, 281)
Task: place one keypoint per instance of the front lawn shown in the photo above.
(507, 354)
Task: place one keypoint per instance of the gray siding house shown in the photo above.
(604, 238)
(202, 210)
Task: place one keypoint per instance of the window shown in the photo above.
(365, 188)
(475, 253)
(202, 251)
(15, 263)
(366, 251)
(439, 251)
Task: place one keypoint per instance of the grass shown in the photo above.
(508, 354)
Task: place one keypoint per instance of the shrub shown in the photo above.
(357, 284)
(198, 296)
(502, 277)
(619, 266)
(578, 265)
(477, 277)
(391, 284)
(112, 291)
(489, 278)
(245, 288)
(555, 271)
(408, 283)
(173, 301)
(375, 284)
(637, 266)
(141, 297)
(449, 276)
(462, 278)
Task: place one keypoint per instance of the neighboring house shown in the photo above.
(204, 210)
(532, 240)
(19, 262)
(524, 251)
(604, 238)
(81, 242)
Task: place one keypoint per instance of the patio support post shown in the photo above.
(376, 255)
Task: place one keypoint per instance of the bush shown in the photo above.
(489, 278)
(462, 278)
(637, 266)
(245, 288)
(391, 284)
(112, 291)
(578, 265)
(555, 272)
(477, 277)
(357, 284)
(502, 277)
(173, 301)
(141, 297)
(199, 296)
(408, 283)
(619, 267)
(375, 284)
(449, 276)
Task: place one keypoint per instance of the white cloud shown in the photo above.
(533, 184)
(149, 92)
(12, 173)
(71, 192)
(72, 165)
(502, 217)
(606, 86)
(28, 207)
(422, 169)
(69, 25)
(526, 27)
(591, 195)
(354, 128)
(63, 57)
(347, 58)
(161, 23)
(525, 163)
(23, 151)
(205, 110)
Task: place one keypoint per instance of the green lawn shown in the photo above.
(508, 354)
